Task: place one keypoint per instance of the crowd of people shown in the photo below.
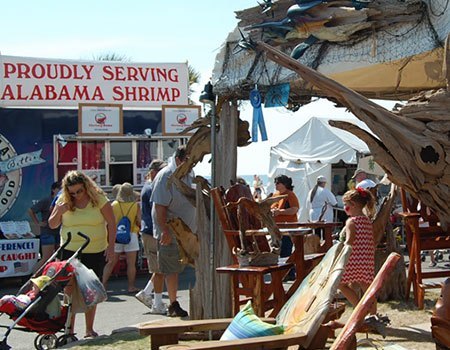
(78, 204)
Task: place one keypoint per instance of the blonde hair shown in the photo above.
(75, 177)
(362, 197)
(126, 193)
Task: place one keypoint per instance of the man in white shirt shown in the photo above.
(321, 201)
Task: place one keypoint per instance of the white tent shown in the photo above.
(310, 151)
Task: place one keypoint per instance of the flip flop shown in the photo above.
(133, 291)
(91, 335)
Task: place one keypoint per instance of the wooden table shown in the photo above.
(304, 263)
(256, 288)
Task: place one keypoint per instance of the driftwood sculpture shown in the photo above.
(413, 148)
(197, 147)
(261, 211)
(188, 245)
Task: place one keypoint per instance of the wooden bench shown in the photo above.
(165, 333)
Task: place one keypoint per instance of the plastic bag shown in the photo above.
(88, 287)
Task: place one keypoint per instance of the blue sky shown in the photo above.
(145, 31)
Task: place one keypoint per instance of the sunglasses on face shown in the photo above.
(77, 192)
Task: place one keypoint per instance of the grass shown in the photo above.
(403, 316)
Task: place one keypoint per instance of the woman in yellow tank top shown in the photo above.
(126, 205)
(83, 207)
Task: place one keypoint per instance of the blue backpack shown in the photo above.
(123, 233)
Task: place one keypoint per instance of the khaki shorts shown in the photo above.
(151, 252)
(169, 259)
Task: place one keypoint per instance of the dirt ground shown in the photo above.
(409, 327)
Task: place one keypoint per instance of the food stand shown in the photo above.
(103, 118)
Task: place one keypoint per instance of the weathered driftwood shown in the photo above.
(200, 306)
(188, 245)
(405, 148)
(260, 210)
(382, 217)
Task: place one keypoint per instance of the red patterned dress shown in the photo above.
(361, 264)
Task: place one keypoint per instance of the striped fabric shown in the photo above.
(248, 325)
(361, 265)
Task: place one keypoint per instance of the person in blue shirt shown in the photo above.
(39, 213)
(156, 282)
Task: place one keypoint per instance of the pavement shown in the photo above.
(121, 312)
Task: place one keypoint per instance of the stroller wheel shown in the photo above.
(45, 341)
(66, 339)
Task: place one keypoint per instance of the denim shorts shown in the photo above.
(48, 239)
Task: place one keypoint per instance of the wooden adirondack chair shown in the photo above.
(423, 232)
(312, 303)
(249, 282)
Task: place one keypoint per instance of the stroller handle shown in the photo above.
(86, 241)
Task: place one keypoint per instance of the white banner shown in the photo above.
(18, 256)
(29, 81)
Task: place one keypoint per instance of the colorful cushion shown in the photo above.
(248, 325)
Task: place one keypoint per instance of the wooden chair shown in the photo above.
(249, 282)
(423, 232)
(315, 306)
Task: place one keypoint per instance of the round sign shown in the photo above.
(10, 182)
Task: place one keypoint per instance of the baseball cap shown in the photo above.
(321, 178)
(358, 171)
(157, 164)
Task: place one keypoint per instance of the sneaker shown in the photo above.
(159, 309)
(175, 310)
(144, 299)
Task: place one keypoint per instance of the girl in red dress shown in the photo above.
(359, 205)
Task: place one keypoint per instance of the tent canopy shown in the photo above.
(310, 151)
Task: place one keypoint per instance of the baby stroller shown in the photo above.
(34, 317)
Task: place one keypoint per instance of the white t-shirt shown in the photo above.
(323, 195)
(366, 183)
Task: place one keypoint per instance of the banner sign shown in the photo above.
(177, 118)
(18, 256)
(20, 161)
(27, 81)
(100, 119)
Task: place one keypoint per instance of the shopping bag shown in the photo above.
(88, 287)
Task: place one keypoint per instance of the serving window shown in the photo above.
(111, 161)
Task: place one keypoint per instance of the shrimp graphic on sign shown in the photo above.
(100, 118)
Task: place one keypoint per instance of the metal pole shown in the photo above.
(212, 212)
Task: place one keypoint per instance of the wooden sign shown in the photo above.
(100, 119)
(177, 118)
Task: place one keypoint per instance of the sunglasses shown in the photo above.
(77, 192)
